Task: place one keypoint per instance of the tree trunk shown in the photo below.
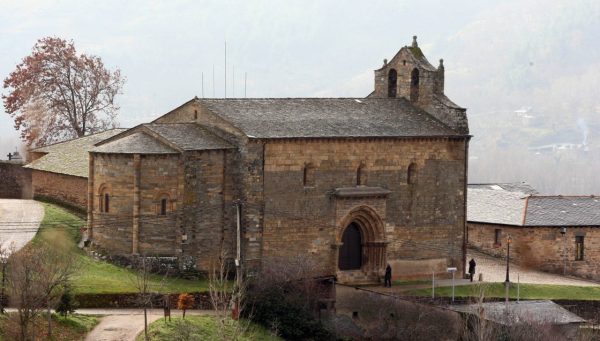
(49, 322)
(145, 324)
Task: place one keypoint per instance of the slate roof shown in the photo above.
(563, 211)
(189, 136)
(519, 205)
(328, 117)
(69, 157)
(178, 137)
(495, 205)
(522, 312)
(136, 143)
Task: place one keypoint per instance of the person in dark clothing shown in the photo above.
(472, 269)
(388, 277)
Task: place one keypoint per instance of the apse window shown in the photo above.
(163, 206)
(579, 248)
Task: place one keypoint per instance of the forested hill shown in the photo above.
(529, 73)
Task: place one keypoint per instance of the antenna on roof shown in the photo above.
(213, 80)
(203, 84)
(225, 68)
(245, 81)
(233, 80)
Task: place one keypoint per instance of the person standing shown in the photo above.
(472, 265)
(388, 277)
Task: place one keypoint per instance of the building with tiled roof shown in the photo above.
(347, 185)
(549, 232)
(59, 171)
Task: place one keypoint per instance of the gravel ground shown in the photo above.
(494, 270)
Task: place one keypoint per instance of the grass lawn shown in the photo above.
(199, 328)
(99, 276)
(72, 327)
(527, 291)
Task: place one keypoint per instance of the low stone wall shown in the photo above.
(15, 181)
(60, 188)
(201, 300)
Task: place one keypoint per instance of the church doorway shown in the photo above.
(350, 257)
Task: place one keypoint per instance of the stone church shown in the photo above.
(346, 184)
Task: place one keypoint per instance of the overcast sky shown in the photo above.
(287, 48)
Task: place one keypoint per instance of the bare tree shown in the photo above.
(56, 94)
(146, 287)
(227, 299)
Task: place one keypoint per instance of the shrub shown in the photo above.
(185, 302)
(66, 304)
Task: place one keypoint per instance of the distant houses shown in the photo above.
(559, 234)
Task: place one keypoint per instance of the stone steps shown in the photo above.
(357, 277)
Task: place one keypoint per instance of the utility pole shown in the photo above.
(238, 260)
(508, 241)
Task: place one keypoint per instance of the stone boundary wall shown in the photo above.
(63, 189)
(15, 181)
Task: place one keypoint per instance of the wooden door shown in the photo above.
(350, 257)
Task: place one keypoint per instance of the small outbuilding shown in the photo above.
(551, 233)
(520, 320)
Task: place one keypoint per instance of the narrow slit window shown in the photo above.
(361, 177)
(308, 175)
(163, 206)
(411, 177)
(498, 237)
(106, 205)
(579, 247)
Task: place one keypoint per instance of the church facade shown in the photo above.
(347, 185)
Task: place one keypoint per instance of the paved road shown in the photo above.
(494, 270)
(19, 221)
(125, 324)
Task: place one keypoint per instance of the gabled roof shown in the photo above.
(136, 143)
(154, 138)
(519, 205)
(328, 117)
(69, 157)
(189, 136)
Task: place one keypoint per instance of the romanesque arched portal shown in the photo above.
(361, 237)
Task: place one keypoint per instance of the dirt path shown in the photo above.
(19, 221)
(124, 324)
(119, 327)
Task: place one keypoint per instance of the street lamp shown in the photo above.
(508, 241)
(563, 231)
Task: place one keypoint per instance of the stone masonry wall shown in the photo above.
(65, 189)
(15, 181)
(208, 213)
(423, 220)
(158, 180)
(542, 248)
(113, 230)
